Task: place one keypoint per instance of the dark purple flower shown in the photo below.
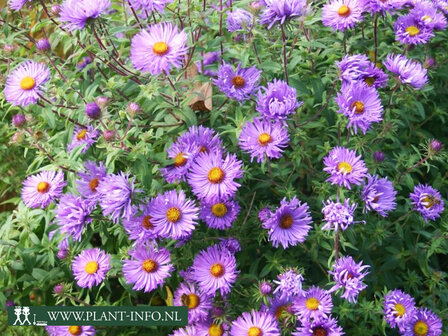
(198, 304)
(338, 215)
(319, 327)
(278, 11)
(18, 120)
(399, 309)
(230, 243)
(73, 214)
(379, 156)
(239, 19)
(93, 111)
(90, 267)
(43, 44)
(379, 195)
(435, 145)
(265, 288)
(41, 189)
(427, 201)
(76, 13)
(204, 138)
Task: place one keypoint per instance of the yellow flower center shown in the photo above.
(216, 175)
(180, 160)
(219, 209)
(91, 267)
(427, 18)
(312, 303)
(421, 328)
(75, 330)
(286, 221)
(215, 330)
(358, 106)
(264, 139)
(191, 300)
(238, 82)
(43, 187)
(146, 223)
(400, 310)
(173, 214)
(344, 10)
(217, 270)
(82, 134)
(93, 184)
(429, 201)
(150, 265)
(254, 331)
(370, 80)
(412, 30)
(319, 331)
(345, 167)
(160, 48)
(27, 83)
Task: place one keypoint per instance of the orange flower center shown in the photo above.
(264, 139)
(254, 331)
(219, 209)
(43, 187)
(358, 106)
(319, 331)
(412, 30)
(286, 221)
(27, 83)
(173, 214)
(344, 10)
(150, 265)
(216, 175)
(160, 48)
(238, 82)
(180, 160)
(345, 167)
(217, 270)
(82, 134)
(93, 184)
(75, 330)
(91, 267)
(146, 223)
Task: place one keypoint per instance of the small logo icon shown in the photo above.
(19, 311)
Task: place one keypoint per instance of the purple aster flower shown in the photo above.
(210, 328)
(319, 327)
(344, 167)
(18, 120)
(41, 189)
(76, 13)
(82, 136)
(442, 5)
(230, 243)
(427, 12)
(411, 30)
(208, 59)
(72, 214)
(265, 288)
(408, 71)
(289, 284)
(90, 267)
(399, 309)
(85, 61)
(342, 14)
(183, 154)
(116, 195)
(187, 331)
(219, 214)
(198, 304)
(338, 215)
(278, 11)
(424, 323)
(314, 303)
(278, 100)
(255, 324)
(361, 104)
(427, 201)
(71, 330)
(140, 227)
(379, 195)
(289, 224)
(148, 267)
(237, 84)
(263, 137)
(389, 6)
(215, 269)
(379, 156)
(89, 181)
(239, 19)
(374, 77)
(158, 49)
(25, 84)
(93, 111)
(278, 306)
(149, 5)
(17, 4)
(204, 138)
(349, 275)
(352, 67)
(43, 44)
(212, 177)
(173, 215)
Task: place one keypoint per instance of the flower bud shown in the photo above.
(133, 108)
(9, 303)
(18, 120)
(8, 48)
(435, 145)
(256, 6)
(379, 156)
(93, 111)
(102, 102)
(17, 138)
(62, 253)
(55, 9)
(109, 135)
(43, 44)
(58, 289)
(430, 62)
(265, 288)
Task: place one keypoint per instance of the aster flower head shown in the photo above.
(411, 30)
(219, 214)
(374, 77)
(278, 307)
(198, 303)
(187, 331)
(265, 288)
(427, 12)
(212, 176)
(116, 195)
(139, 226)
(89, 180)
(43, 44)
(278, 11)
(174, 215)
(349, 275)
(183, 154)
(237, 84)
(92, 110)
(204, 138)
(24, 85)
(158, 49)
(208, 59)
(148, 267)
(263, 138)
(424, 323)
(379, 195)
(239, 19)
(210, 328)
(289, 224)
(72, 214)
(289, 284)
(17, 4)
(277, 101)
(319, 327)
(41, 189)
(90, 267)
(71, 330)
(149, 5)
(427, 201)
(255, 324)
(338, 215)
(342, 14)
(76, 13)
(313, 303)
(345, 167)
(352, 67)
(408, 71)
(83, 136)
(399, 309)
(361, 104)
(389, 6)
(215, 269)
(230, 243)
(18, 120)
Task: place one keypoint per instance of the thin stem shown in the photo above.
(250, 208)
(336, 244)
(220, 27)
(375, 37)
(135, 15)
(419, 163)
(285, 58)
